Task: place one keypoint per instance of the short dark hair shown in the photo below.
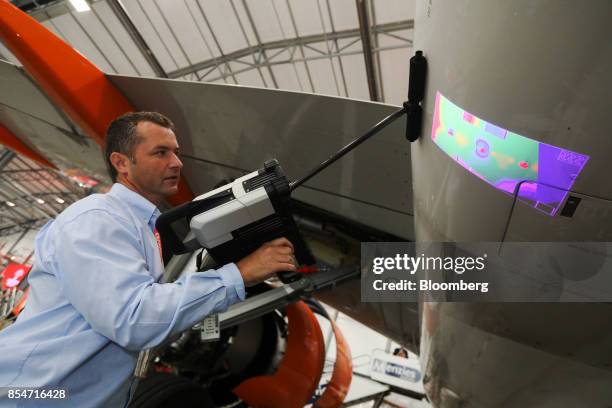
(121, 135)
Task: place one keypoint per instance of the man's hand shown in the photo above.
(273, 256)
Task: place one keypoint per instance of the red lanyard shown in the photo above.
(159, 244)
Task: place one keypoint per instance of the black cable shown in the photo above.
(371, 132)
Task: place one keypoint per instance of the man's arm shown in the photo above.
(275, 256)
(104, 275)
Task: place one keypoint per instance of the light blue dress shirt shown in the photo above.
(94, 303)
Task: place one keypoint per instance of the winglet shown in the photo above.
(74, 84)
(8, 139)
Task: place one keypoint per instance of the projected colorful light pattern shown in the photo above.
(504, 159)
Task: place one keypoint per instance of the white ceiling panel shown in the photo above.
(318, 49)
(165, 32)
(150, 35)
(51, 27)
(338, 67)
(388, 11)
(283, 18)
(344, 14)
(394, 69)
(186, 77)
(306, 16)
(322, 50)
(246, 75)
(250, 78)
(303, 69)
(243, 17)
(350, 44)
(323, 14)
(265, 20)
(265, 78)
(185, 29)
(265, 72)
(395, 38)
(258, 60)
(224, 24)
(215, 76)
(287, 77)
(221, 81)
(238, 66)
(123, 41)
(229, 79)
(323, 77)
(208, 41)
(7, 55)
(356, 79)
(68, 26)
(106, 44)
(354, 68)
(206, 75)
(281, 54)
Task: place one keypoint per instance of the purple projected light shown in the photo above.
(543, 174)
(494, 130)
(556, 174)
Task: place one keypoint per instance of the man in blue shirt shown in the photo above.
(94, 302)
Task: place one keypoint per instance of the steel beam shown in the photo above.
(90, 38)
(375, 45)
(318, 57)
(259, 43)
(222, 60)
(364, 30)
(23, 234)
(32, 224)
(287, 43)
(331, 21)
(123, 16)
(5, 158)
(117, 43)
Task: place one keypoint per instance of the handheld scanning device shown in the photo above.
(232, 221)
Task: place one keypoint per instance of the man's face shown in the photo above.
(155, 168)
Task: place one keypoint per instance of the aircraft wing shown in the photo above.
(27, 113)
(226, 130)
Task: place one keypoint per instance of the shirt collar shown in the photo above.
(143, 208)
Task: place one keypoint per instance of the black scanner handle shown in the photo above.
(187, 211)
(416, 94)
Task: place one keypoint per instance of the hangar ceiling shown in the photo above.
(301, 45)
(31, 194)
(348, 48)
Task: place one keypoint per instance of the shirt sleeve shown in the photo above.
(100, 263)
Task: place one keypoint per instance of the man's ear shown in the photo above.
(120, 162)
